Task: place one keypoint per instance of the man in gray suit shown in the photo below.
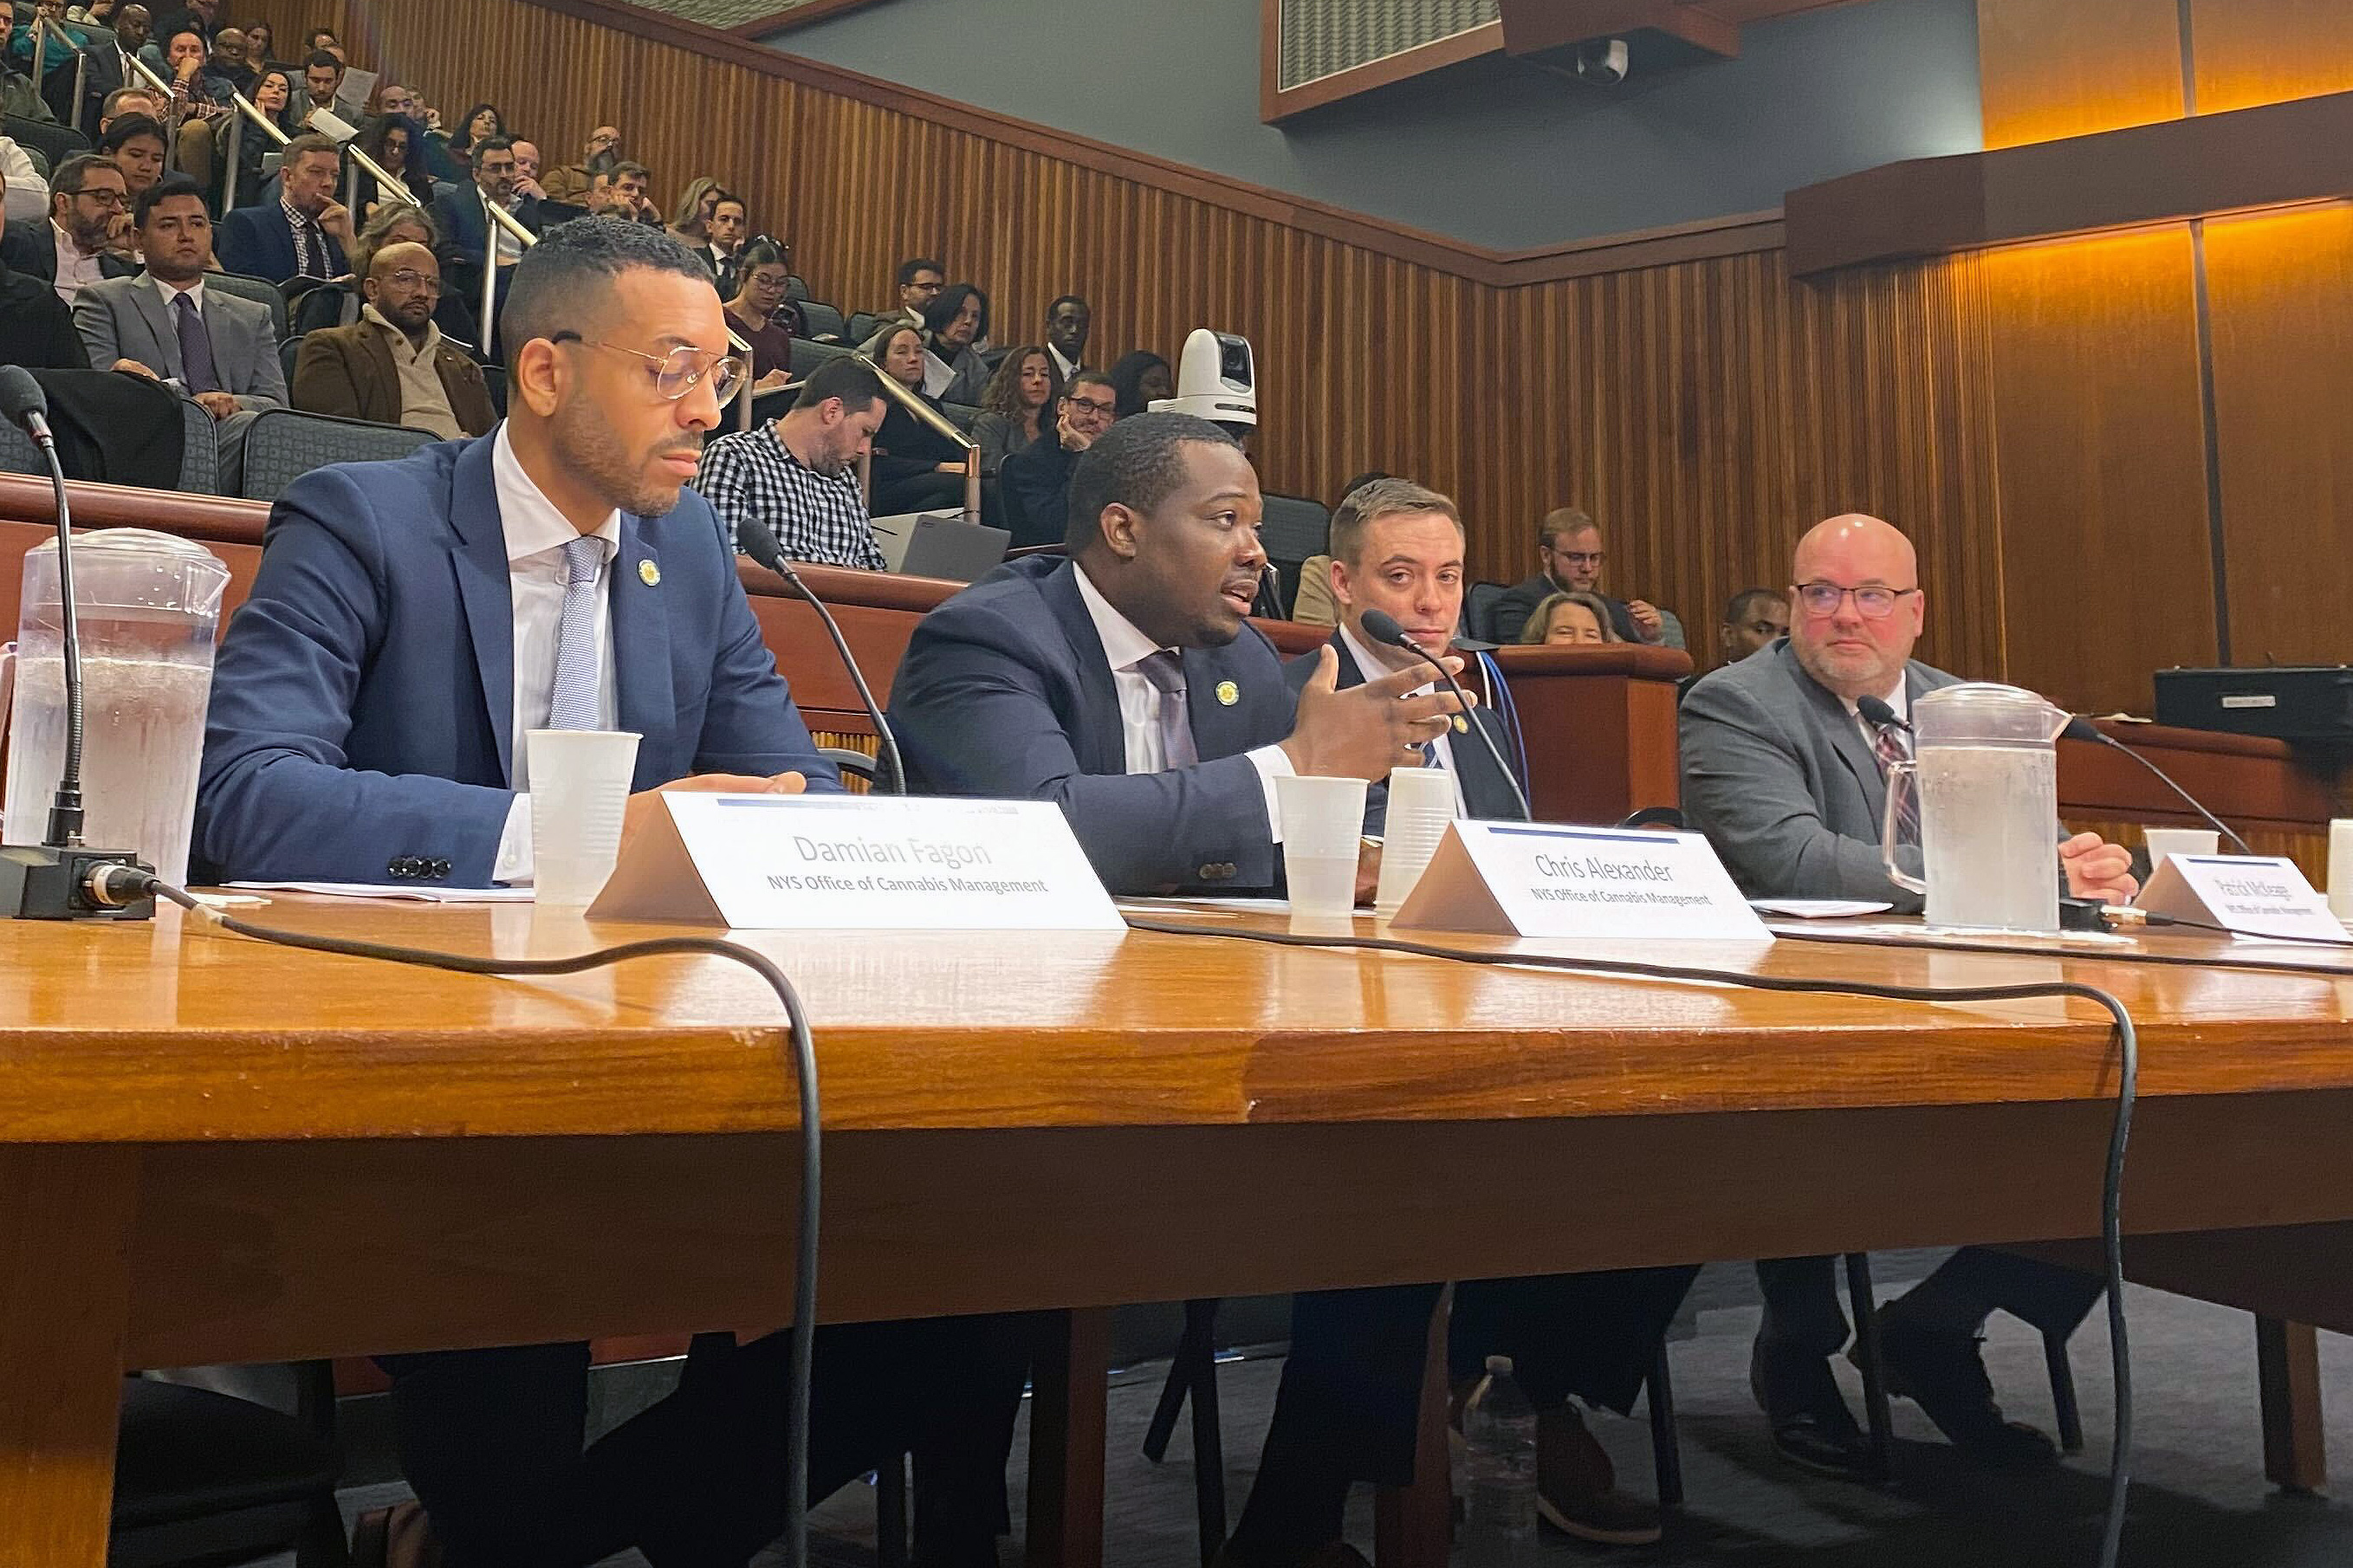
(217, 347)
(1788, 781)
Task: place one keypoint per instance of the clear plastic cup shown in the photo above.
(579, 793)
(2165, 841)
(1323, 823)
(1421, 803)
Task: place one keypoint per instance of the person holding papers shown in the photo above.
(1125, 684)
(1789, 781)
(410, 622)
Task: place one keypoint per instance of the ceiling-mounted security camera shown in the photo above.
(1602, 61)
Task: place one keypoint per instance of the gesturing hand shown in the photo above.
(1365, 731)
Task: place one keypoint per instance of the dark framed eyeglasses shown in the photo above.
(1105, 410)
(1874, 602)
(679, 372)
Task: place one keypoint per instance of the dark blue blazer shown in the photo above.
(1005, 692)
(465, 230)
(1484, 789)
(259, 242)
(363, 705)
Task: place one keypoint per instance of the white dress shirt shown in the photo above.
(1125, 650)
(1900, 699)
(28, 193)
(76, 267)
(536, 534)
(1063, 367)
(1442, 749)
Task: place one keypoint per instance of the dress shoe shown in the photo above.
(1811, 1427)
(1576, 1486)
(1331, 1554)
(1943, 1374)
(395, 1537)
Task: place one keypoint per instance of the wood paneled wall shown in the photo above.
(2025, 416)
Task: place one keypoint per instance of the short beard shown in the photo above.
(587, 443)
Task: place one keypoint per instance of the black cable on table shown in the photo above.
(2119, 1136)
(800, 1062)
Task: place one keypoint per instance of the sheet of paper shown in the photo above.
(403, 891)
(1817, 908)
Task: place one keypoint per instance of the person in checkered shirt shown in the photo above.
(798, 475)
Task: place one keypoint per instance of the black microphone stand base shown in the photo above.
(38, 882)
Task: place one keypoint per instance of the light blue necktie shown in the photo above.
(574, 705)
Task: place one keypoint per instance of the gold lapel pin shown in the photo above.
(1229, 693)
(649, 574)
(1462, 725)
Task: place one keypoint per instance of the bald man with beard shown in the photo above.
(1788, 781)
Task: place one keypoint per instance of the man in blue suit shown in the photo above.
(410, 622)
(305, 233)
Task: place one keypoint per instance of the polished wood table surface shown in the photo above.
(213, 1150)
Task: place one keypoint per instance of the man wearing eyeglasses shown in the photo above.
(89, 223)
(1036, 481)
(1789, 782)
(1569, 550)
(393, 366)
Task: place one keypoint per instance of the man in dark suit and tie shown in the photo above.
(1789, 782)
(411, 622)
(470, 237)
(305, 232)
(109, 56)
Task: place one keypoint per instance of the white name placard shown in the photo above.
(2264, 895)
(1522, 879)
(849, 862)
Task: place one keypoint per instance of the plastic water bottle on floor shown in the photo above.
(1499, 1440)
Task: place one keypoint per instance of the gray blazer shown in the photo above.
(1779, 776)
(125, 317)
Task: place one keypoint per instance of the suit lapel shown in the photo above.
(644, 702)
(384, 396)
(148, 295)
(480, 560)
(1102, 737)
(1220, 728)
(1846, 737)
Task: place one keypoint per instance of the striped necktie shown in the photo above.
(574, 705)
(1888, 748)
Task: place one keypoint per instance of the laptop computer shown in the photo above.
(932, 544)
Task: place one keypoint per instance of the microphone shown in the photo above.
(1382, 628)
(2079, 728)
(758, 541)
(60, 879)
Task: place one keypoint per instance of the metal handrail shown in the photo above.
(938, 421)
(154, 80)
(42, 26)
(246, 110)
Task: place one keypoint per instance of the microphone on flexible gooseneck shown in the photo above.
(1383, 627)
(1880, 715)
(60, 879)
(759, 542)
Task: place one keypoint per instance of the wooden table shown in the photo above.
(215, 1150)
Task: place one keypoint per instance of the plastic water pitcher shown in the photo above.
(149, 606)
(1985, 774)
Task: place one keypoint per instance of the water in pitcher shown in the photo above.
(143, 743)
(1989, 837)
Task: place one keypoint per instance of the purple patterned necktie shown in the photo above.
(1887, 746)
(196, 372)
(1166, 673)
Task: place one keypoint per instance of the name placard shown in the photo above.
(848, 862)
(1520, 878)
(2257, 896)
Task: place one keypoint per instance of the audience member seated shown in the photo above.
(1140, 379)
(322, 82)
(921, 278)
(468, 232)
(332, 748)
(52, 103)
(337, 303)
(1754, 619)
(137, 98)
(956, 320)
(569, 182)
(1576, 616)
(1069, 321)
(1569, 548)
(18, 96)
(798, 475)
(306, 233)
(395, 142)
(110, 56)
(91, 233)
(226, 73)
(622, 191)
(427, 150)
(273, 92)
(751, 315)
(915, 468)
(723, 234)
(1314, 604)
(136, 145)
(393, 366)
(526, 180)
(483, 122)
(28, 191)
(260, 45)
(1012, 407)
(1788, 781)
(35, 329)
(221, 349)
(690, 222)
(1036, 481)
